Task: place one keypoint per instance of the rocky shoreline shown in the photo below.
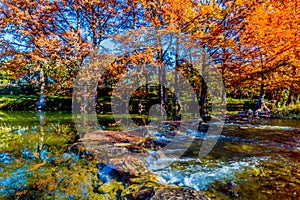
(249, 114)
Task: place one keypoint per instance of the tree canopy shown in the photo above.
(255, 44)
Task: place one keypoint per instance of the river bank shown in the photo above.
(62, 103)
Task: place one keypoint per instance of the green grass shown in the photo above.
(239, 101)
(27, 102)
(290, 110)
(62, 103)
(10, 102)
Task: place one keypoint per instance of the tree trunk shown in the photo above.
(162, 77)
(41, 103)
(224, 66)
(160, 92)
(147, 84)
(290, 100)
(140, 107)
(195, 97)
(95, 101)
(224, 96)
(203, 94)
(203, 98)
(165, 92)
(176, 92)
(260, 103)
(297, 97)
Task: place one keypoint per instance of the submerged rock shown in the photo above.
(177, 193)
(203, 128)
(130, 165)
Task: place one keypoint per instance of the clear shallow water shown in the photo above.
(261, 161)
(32, 147)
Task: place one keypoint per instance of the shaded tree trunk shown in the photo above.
(224, 66)
(139, 90)
(195, 97)
(223, 91)
(165, 92)
(203, 98)
(261, 103)
(297, 97)
(161, 97)
(290, 100)
(147, 83)
(176, 92)
(203, 94)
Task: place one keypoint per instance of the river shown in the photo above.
(249, 161)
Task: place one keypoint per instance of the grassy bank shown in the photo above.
(27, 102)
(289, 111)
(59, 103)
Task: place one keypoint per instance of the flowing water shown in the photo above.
(249, 161)
(260, 161)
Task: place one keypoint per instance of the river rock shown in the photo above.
(130, 165)
(177, 193)
(206, 118)
(237, 116)
(171, 126)
(112, 137)
(203, 128)
(296, 131)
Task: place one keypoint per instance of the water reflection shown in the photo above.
(30, 144)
